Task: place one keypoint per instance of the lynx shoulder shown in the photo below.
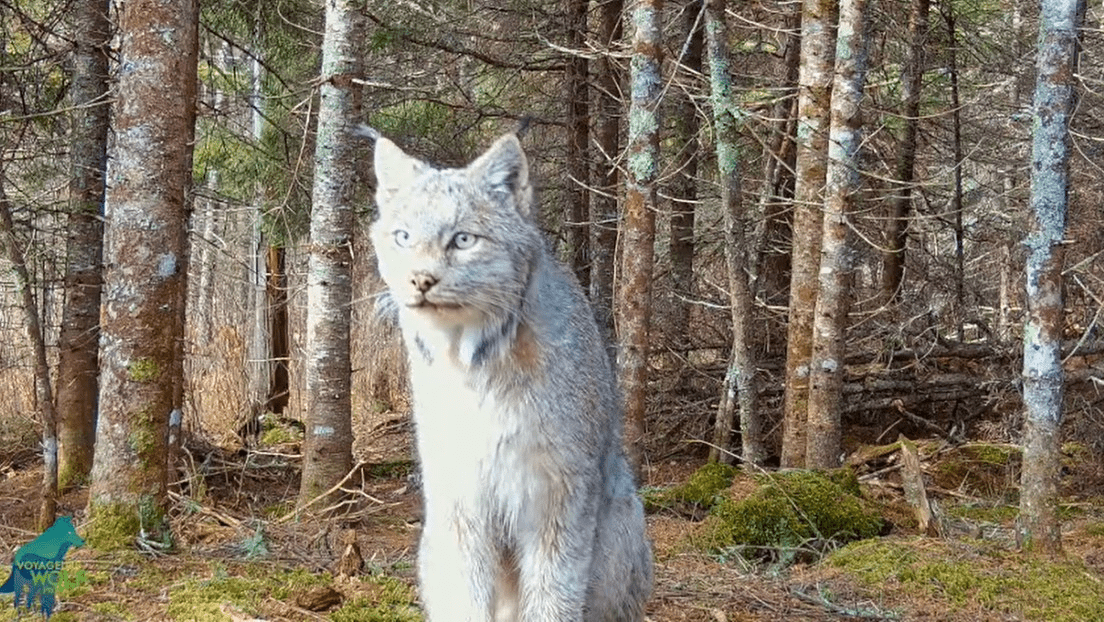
(531, 512)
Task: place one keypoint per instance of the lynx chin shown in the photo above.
(531, 512)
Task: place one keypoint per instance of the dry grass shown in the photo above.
(19, 425)
(217, 397)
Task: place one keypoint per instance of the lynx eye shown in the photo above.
(402, 238)
(462, 240)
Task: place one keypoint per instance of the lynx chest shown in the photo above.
(478, 447)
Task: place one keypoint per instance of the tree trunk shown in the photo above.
(842, 188)
(327, 451)
(893, 263)
(144, 258)
(1043, 380)
(279, 386)
(772, 261)
(1006, 294)
(260, 358)
(78, 342)
(211, 212)
(684, 192)
(815, 88)
(956, 191)
(634, 295)
(740, 392)
(603, 204)
(576, 78)
(44, 396)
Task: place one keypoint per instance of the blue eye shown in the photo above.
(462, 240)
(402, 238)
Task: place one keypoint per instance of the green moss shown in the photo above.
(999, 514)
(246, 586)
(949, 578)
(991, 454)
(278, 434)
(1075, 454)
(1095, 530)
(112, 611)
(392, 469)
(983, 469)
(141, 439)
(391, 601)
(69, 476)
(846, 479)
(115, 525)
(283, 586)
(242, 586)
(111, 525)
(787, 510)
(700, 491)
(144, 370)
(202, 599)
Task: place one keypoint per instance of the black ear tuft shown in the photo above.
(523, 126)
(364, 131)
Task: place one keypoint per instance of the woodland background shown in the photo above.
(690, 257)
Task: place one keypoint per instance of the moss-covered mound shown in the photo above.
(789, 510)
(698, 494)
(982, 469)
(973, 581)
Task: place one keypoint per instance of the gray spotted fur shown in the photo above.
(531, 512)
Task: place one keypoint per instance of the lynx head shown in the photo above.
(456, 247)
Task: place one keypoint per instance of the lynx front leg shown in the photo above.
(554, 568)
(456, 572)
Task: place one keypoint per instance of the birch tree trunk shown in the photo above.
(740, 392)
(327, 451)
(149, 178)
(814, 91)
(603, 205)
(634, 296)
(78, 342)
(1043, 379)
(842, 189)
(44, 395)
(893, 264)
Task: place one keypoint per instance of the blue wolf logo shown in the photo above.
(37, 564)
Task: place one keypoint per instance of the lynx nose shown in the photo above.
(423, 281)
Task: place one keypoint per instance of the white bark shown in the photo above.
(328, 447)
(836, 257)
(1043, 378)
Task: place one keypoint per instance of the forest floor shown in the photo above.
(243, 554)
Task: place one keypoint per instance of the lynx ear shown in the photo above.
(504, 169)
(394, 170)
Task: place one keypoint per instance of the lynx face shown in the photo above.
(455, 246)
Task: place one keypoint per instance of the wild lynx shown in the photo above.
(531, 513)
